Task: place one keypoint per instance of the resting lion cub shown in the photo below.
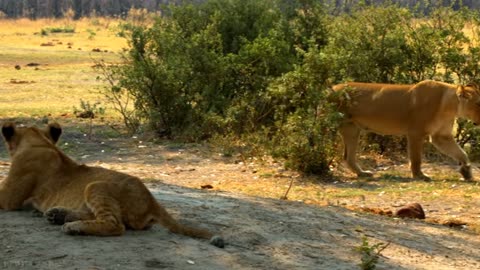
(85, 200)
(428, 108)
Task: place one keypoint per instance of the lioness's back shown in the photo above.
(372, 86)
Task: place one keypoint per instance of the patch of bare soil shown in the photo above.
(261, 233)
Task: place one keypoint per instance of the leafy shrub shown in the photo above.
(187, 71)
(262, 69)
(370, 253)
(65, 29)
(90, 111)
(387, 44)
(306, 116)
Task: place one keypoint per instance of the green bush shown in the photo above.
(306, 115)
(199, 68)
(262, 69)
(65, 29)
(388, 44)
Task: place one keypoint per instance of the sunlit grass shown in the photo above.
(63, 73)
(89, 33)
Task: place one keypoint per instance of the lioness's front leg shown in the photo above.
(350, 133)
(447, 145)
(415, 149)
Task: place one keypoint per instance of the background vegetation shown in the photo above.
(80, 8)
(256, 74)
(252, 76)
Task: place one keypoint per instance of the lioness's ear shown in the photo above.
(474, 85)
(8, 130)
(54, 130)
(462, 92)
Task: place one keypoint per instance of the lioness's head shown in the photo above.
(469, 102)
(14, 136)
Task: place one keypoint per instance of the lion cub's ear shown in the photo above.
(54, 131)
(8, 130)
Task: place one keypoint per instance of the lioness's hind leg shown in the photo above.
(106, 211)
(415, 149)
(350, 133)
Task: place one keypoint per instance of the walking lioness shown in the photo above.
(85, 200)
(428, 108)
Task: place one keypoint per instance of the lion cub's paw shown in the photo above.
(72, 228)
(56, 215)
(217, 241)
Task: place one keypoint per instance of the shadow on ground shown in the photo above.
(261, 234)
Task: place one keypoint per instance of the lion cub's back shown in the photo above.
(119, 185)
(87, 175)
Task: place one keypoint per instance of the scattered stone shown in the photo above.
(454, 223)
(96, 50)
(371, 210)
(33, 64)
(18, 67)
(47, 44)
(15, 81)
(155, 263)
(413, 210)
(86, 114)
(206, 186)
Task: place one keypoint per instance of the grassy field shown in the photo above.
(55, 68)
(60, 75)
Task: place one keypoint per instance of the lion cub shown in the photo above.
(85, 200)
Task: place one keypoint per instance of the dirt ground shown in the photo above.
(261, 233)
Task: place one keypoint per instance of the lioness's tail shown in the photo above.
(165, 219)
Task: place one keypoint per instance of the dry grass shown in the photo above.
(63, 74)
(25, 33)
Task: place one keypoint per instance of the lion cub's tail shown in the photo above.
(165, 219)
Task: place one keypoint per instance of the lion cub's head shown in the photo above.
(16, 137)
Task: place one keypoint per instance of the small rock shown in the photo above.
(155, 263)
(85, 114)
(413, 210)
(47, 44)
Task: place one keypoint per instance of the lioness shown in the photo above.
(85, 200)
(428, 108)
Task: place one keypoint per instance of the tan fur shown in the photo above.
(86, 200)
(428, 108)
